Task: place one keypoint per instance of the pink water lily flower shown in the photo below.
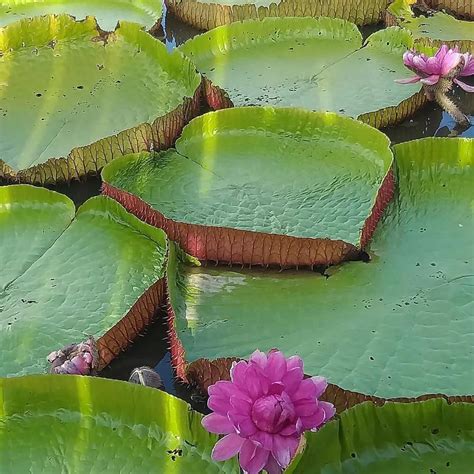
(75, 359)
(429, 70)
(264, 410)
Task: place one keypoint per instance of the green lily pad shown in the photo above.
(423, 437)
(434, 29)
(207, 14)
(398, 326)
(107, 12)
(305, 62)
(63, 280)
(67, 76)
(265, 186)
(56, 424)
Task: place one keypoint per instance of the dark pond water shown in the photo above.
(151, 349)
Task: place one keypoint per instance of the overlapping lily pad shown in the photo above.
(259, 185)
(434, 28)
(305, 62)
(73, 98)
(207, 14)
(107, 12)
(398, 326)
(64, 277)
(431, 437)
(55, 424)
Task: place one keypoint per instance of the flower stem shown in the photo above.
(449, 106)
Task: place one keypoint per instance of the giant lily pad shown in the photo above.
(107, 12)
(398, 326)
(264, 186)
(99, 275)
(426, 437)
(207, 14)
(436, 28)
(72, 98)
(306, 62)
(56, 424)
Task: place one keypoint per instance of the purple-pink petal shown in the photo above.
(217, 424)
(450, 61)
(292, 379)
(329, 410)
(321, 385)
(409, 80)
(259, 358)
(227, 447)
(284, 448)
(464, 86)
(314, 420)
(272, 467)
(431, 80)
(238, 370)
(276, 366)
(219, 404)
(468, 68)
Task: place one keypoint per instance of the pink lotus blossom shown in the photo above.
(429, 70)
(446, 63)
(264, 410)
(75, 359)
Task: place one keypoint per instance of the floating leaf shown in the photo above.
(207, 14)
(99, 275)
(398, 326)
(433, 29)
(66, 423)
(58, 76)
(107, 12)
(431, 436)
(263, 186)
(305, 62)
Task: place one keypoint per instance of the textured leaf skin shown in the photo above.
(399, 326)
(130, 112)
(306, 62)
(207, 15)
(51, 296)
(107, 12)
(464, 8)
(391, 439)
(64, 423)
(204, 372)
(439, 28)
(222, 210)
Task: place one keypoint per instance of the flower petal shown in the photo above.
(272, 467)
(409, 80)
(276, 366)
(284, 448)
(247, 452)
(219, 404)
(257, 461)
(238, 371)
(306, 407)
(227, 447)
(329, 410)
(259, 358)
(431, 80)
(292, 379)
(450, 61)
(217, 424)
(464, 86)
(468, 69)
(222, 388)
(264, 439)
(313, 421)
